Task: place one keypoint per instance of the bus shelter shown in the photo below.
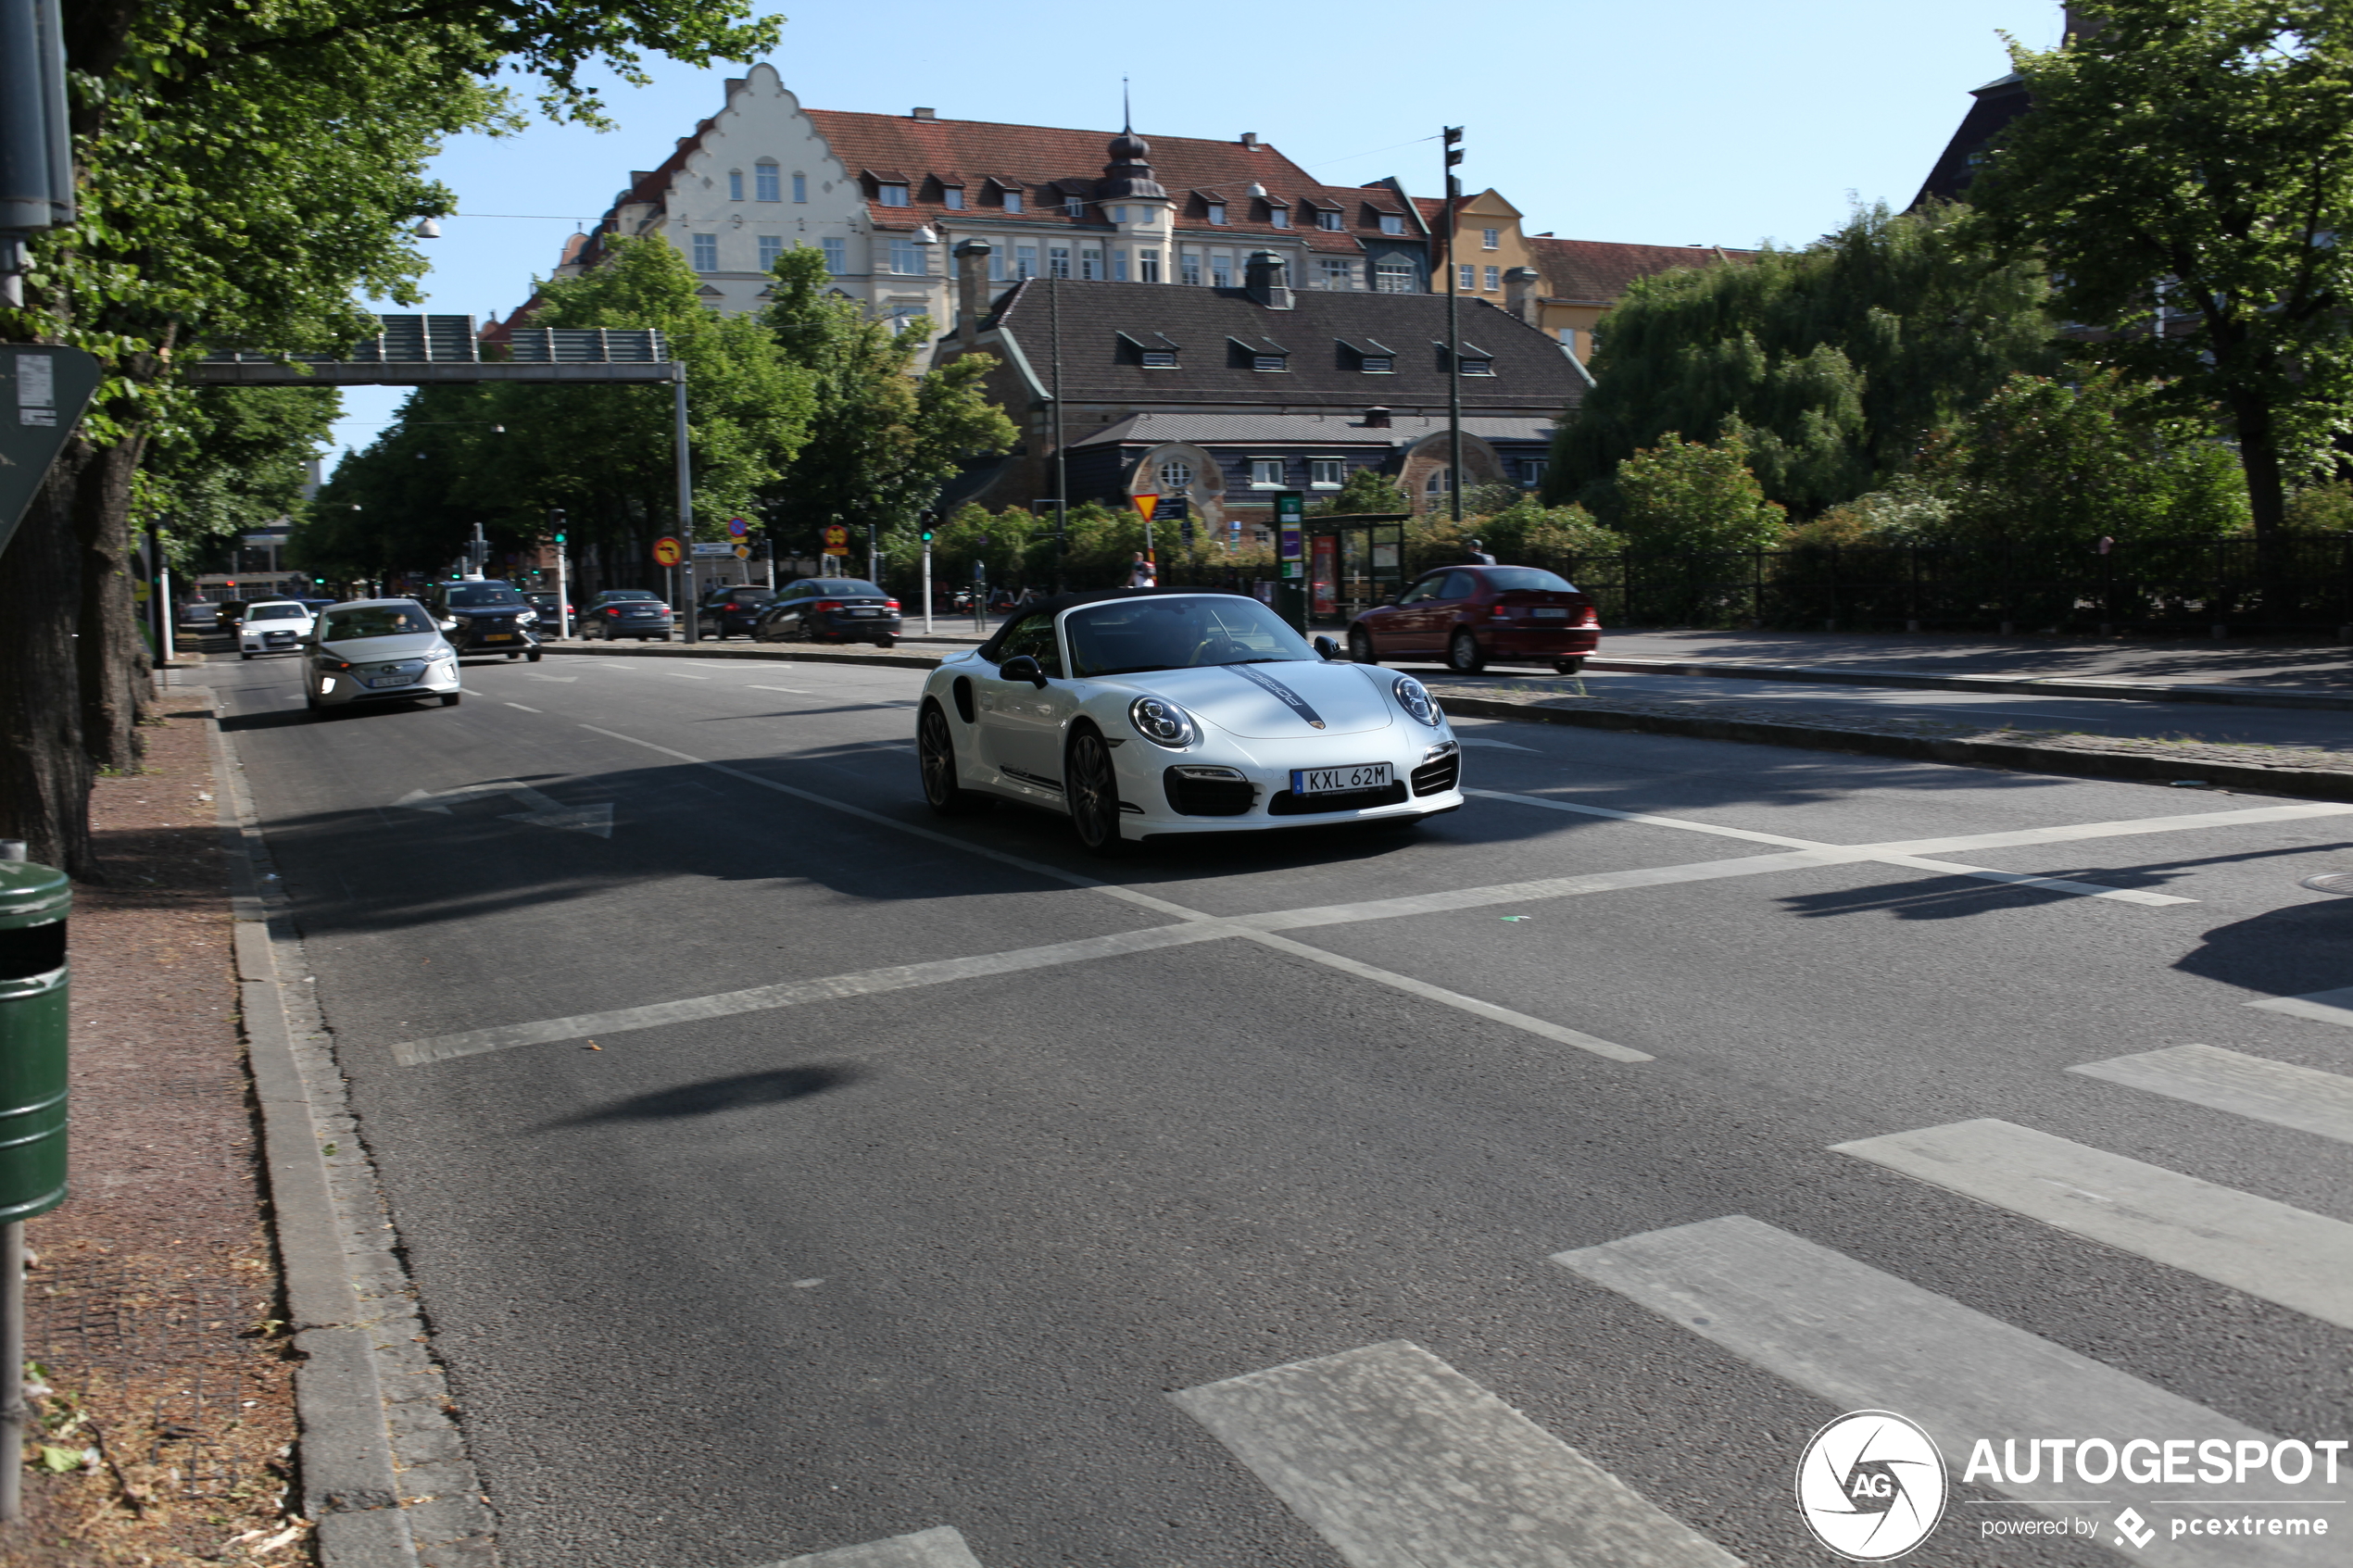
(1355, 562)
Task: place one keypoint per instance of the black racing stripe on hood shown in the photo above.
(1288, 697)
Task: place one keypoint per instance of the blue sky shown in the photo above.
(1671, 122)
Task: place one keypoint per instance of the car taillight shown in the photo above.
(1592, 619)
(826, 604)
(891, 605)
(728, 606)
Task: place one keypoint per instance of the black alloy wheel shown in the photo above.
(1360, 646)
(935, 758)
(1092, 787)
(1462, 653)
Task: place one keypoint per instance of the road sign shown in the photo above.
(837, 539)
(737, 528)
(1146, 505)
(715, 548)
(667, 551)
(43, 392)
(743, 552)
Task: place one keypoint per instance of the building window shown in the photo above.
(1119, 266)
(1531, 470)
(1379, 364)
(1279, 216)
(1119, 215)
(1073, 207)
(1221, 268)
(1090, 263)
(1326, 473)
(1058, 261)
(764, 182)
(1392, 223)
(905, 316)
(997, 264)
(1466, 276)
(907, 258)
(1495, 279)
(706, 253)
(1327, 219)
(1189, 267)
(1013, 201)
(801, 187)
(1176, 474)
(1148, 266)
(1160, 358)
(952, 197)
(892, 196)
(836, 251)
(1339, 273)
(1439, 481)
(1478, 367)
(1393, 277)
(1217, 214)
(1270, 361)
(771, 247)
(1266, 471)
(1024, 261)
(1569, 339)
(1490, 239)
(734, 184)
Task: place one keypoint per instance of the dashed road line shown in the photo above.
(524, 710)
(2320, 1006)
(2279, 1092)
(2267, 1248)
(1398, 1461)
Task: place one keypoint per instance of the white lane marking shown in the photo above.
(2279, 1092)
(565, 680)
(546, 812)
(1398, 1461)
(2275, 1250)
(526, 709)
(1862, 1339)
(795, 993)
(940, 1547)
(1472, 1005)
(2052, 884)
(2320, 1006)
(1494, 745)
(684, 676)
(795, 690)
(2021, 837)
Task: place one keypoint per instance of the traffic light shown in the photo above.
(931, 525)
(1452, 136)
(556, 523)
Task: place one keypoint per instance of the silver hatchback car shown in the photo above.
(371, 650)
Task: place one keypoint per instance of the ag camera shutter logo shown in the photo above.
(1871, 1485)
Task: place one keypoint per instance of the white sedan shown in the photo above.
(1150, 712)
(377, 650)
(272, 626)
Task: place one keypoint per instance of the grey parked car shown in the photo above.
(373, 651)
(625, 612)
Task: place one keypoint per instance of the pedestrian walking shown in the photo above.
(1477, 555)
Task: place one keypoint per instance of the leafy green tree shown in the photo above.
(1683, 496)
(1829, 363)
(232, 459)
(1364, 490)
(2196, 156)
(882, 439)
(244, 172)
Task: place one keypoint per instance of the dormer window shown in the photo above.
(1217, 214)
(891, 194)
(1073, 207)
(1277, 215)
(1478, 367)
(1270, 361)
(1378, 364)
(1160, 354)
(1328, 218)
(1013, 201)
(1393, 223)
(1259, 354)
(952, 197)
(1160, 358)
(1373, 356)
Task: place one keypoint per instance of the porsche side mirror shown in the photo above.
(1325, 646)
(1022, 667)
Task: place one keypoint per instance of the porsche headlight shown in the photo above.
(1163, 722)
(1415, 699)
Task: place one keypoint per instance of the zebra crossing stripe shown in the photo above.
(2320, 1006)
(1860, 1338)
(1398, 1461)
(2267, 1248)
(2279, 1092)
(938, 1548)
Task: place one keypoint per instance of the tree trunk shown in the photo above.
(2259, 461)
(44, 770)
(112, 657)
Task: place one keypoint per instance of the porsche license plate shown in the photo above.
(1340, 781)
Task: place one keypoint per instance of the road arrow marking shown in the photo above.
(544, 812)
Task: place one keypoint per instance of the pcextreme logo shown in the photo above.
(1871, 1485)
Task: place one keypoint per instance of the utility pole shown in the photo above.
(1451, 139)
(1061, 470)
(686, 502)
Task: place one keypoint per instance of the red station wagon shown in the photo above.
(1470, 615)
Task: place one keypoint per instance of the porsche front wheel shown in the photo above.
(1092, 787)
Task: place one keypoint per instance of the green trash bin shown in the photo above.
(34, 901)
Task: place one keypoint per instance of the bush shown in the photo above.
(1686, 495)
(2322, 508)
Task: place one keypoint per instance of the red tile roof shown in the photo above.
(1598, 271)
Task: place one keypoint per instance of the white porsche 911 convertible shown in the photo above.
(1152, 711)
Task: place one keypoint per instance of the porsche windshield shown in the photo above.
(1178, 632)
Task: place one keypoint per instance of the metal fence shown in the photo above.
(2240, 584)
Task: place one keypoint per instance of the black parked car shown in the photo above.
(830, 609)
(725, 609)
(486, 615)
(625, 612)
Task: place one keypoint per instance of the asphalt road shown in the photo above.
(919, 1164)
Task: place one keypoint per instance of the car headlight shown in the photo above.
(528, 615)
(1415, 699)
(441, 655)
(1163, 722)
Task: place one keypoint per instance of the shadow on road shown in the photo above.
(742, 1092)
(2288, 952)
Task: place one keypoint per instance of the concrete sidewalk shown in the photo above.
(2308, 666)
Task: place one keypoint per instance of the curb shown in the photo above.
(360, 1376)
(2140, 691)
(2311, 782)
